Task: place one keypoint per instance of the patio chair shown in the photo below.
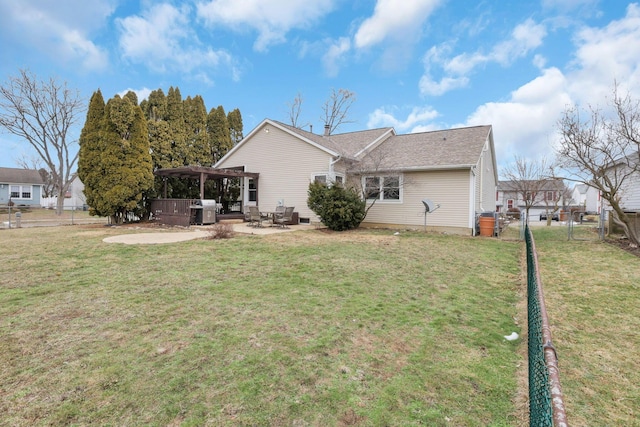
(279, 212)
(255, 218)
(285, 218)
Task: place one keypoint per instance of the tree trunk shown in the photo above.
(628, 227)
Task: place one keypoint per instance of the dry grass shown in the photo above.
(306, 328)
(591, 290)
(311, 328)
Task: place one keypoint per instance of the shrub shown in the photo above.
(221, 231)
(339, 208)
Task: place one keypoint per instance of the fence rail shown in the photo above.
(25, 216)
(546, 404)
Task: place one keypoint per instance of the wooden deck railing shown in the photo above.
(172, 211)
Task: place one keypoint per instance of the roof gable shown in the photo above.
(20, 176)
(307, 137)
(382, 149)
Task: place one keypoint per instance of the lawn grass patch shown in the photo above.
(591, 291)
(305, 328)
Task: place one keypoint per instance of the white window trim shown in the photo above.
(21, 187)
(331, 178)
(380, 199)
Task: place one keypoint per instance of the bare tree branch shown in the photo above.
(336, 109)
(527, 179)
(42, 113)
(603, 152)
(294, 111)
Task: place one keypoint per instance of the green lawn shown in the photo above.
(592, 290)
(296, 329)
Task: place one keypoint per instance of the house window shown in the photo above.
(382, 187)
(322, 179)
(21, 192)
(509, 203)
(253, 191)
(551, 196)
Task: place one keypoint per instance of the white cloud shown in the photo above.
(393, 19)
(607, 54)
(335, 54)
(428, 86)
(526, 124)
(60, 31)
(161, 39)
(417, 118)
(271, 19)
(525, 37)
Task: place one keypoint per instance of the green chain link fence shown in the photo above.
(546, 406)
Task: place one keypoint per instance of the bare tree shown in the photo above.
(604, 152)
(294, 110)
(336, 109)
(376, 174)
(43, 113)
(527, 180)
(556, 195)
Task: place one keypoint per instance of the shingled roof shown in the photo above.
(382, 149)
(20, 176)
(346, 144)
(451, 148)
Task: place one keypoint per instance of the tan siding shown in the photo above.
(284, 164)
(488, 191)
(450, 189)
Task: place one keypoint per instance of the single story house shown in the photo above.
(455, 169)
(22, 186)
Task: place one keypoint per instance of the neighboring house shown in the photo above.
(73, 199)
(547, 197)
(22, 186)
(587, 198)
(454, 168)
(630, 190)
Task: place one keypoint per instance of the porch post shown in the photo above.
(202, 179)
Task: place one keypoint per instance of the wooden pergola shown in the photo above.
(202, 173)
(181, 211)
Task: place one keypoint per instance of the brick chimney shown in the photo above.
(327, 128)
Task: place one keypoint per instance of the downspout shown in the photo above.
(472, 201)
(332, 175)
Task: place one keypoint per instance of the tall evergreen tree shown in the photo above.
(176, 120)
(235, 126)
(123, 170)
(197, 143)
(91, 148)
(218, 132)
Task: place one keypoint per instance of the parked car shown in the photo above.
(554, 217)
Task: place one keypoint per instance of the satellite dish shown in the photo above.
(429, 206)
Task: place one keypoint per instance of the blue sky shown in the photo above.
(415, 65)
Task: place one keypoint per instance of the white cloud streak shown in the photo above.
(272, 19)
(525, 37)
(60, 31)
(393, 19)
(161, 39)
